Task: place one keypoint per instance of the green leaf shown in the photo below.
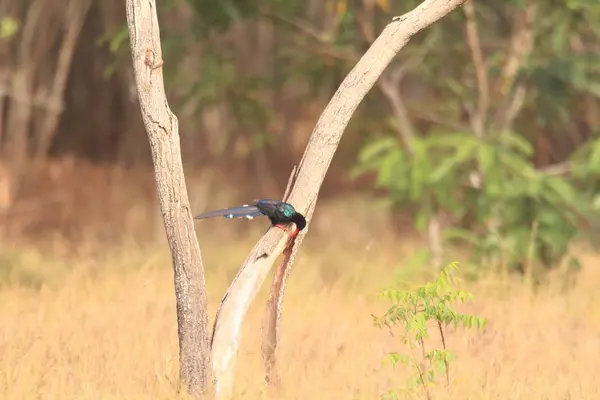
(419, 171)
(559, 37)
(516, 142)
(592, 88)
(397, 358)
(390, 168)
(451, 165)
(486, 157)
(454, 140)
(596, 203)
(8, 27)
(377, 148)
(457, 233)
(422, 219)
(594, 158)
(562, 188)
(516, 164)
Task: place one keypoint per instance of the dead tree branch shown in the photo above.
(272, 320)
(272, 314)
(163, 134)
(311, 172)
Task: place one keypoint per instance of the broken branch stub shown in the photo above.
(163, 134)
(311, 173)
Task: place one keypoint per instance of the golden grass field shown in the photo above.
(99, 322)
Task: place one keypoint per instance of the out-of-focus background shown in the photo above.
(479, 144)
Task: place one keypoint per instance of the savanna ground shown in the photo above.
(87, 303)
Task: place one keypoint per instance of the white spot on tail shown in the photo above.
(249, 217)
(230, 216)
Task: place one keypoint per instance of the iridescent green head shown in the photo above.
(287, 210)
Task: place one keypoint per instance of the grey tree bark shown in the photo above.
(163, 134)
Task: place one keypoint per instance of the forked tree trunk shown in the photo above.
(305, 186)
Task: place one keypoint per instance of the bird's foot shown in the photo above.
(291, 237)
(295, 233)
(282, 227)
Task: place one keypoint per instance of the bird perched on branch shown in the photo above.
(279, 212)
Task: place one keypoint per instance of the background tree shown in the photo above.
(507, 96)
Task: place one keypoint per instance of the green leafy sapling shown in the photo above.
(412, 309)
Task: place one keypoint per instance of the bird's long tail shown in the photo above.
(246, 211)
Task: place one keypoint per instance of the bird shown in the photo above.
(280, 213)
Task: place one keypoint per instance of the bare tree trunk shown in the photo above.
(21, 90)
(76, 13)
(163, 134)
(8, 9)
(306, 185)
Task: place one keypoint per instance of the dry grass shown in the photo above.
(92, 322)
(107, 330)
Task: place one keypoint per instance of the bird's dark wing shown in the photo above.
(268, 206)
(247, 212)
(269, 201)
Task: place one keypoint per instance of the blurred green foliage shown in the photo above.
(515, 213)
(516, 190)
(409, 318)
(497, 216)
(8, 27)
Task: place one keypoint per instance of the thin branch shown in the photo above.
(423, 367)
(428, 116)
(364, 17)
(302, 26)
(415, 59)
(441, 329)
(325, 49)
(389, 82)
(483, 87)
(322, 38)
(514, 109)
(311, 173)
(556, 169)
(529, 263)
(404, 125)
(521, 45)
